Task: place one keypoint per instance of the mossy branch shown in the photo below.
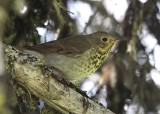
(46, 84)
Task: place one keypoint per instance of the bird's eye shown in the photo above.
(104, 39)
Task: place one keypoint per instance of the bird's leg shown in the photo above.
(54, 73)
(59, 74)
(46, 73)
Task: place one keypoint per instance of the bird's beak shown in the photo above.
(117, 40)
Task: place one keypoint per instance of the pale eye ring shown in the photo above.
(104, 39)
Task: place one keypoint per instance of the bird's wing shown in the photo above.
(71, 47)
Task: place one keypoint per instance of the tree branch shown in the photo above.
(46, 84)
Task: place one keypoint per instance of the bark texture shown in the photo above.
(46, 84)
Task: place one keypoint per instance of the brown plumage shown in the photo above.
(76, 56)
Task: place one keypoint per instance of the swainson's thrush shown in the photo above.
(76, 56)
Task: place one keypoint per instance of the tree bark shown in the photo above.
(46, 84)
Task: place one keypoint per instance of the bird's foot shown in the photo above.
(53, 72)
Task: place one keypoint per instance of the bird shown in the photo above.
(76, 56)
